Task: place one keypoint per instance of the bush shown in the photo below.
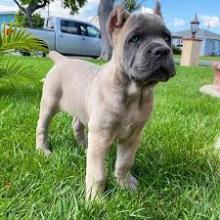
(21, 20)
(176, 50)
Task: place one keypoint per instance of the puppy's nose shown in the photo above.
(160, 51)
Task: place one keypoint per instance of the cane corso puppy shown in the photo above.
(112, 101)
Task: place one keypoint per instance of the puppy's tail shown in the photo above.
(56, 57)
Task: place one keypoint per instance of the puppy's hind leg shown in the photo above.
(48, 109)
(79, 132)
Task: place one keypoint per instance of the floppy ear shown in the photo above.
(157, 9)
(117, 19)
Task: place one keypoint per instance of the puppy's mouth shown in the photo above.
(153, 72)
(159, 75)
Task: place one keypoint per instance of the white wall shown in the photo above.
(176, 41)
(202, 51)
(212, 47)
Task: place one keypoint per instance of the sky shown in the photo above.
(177, 13)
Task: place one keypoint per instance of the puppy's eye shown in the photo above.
(135, 39)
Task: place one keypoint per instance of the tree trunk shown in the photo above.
(29, 18)
(30, 9)
(105, 7)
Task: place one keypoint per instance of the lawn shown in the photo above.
(177, 168)
(203, 58)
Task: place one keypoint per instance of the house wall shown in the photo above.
(95, 21)
(219, 47)
(212, 47)
(176, 41)
(6, 18)
(202, 50)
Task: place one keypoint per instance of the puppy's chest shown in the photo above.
(132, 118)
(132, 107)
(127, 126)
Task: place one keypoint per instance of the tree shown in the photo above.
(13, 39)
(131, 5)
(104, 10)
(28, 7)
(21, 20)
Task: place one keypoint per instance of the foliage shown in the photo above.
(131, 5)
(21, 20)
(14, 39)
(176, 50)
(177, 168)
(28, 7)
(74, 5)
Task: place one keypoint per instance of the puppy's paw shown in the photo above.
(94, 193)
(44, 150)
(129, 182)
(94, 188)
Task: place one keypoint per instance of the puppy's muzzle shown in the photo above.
(156, 64)
(160, 52)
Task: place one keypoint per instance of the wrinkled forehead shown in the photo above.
(144, 23)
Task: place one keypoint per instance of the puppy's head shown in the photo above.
(142, 45)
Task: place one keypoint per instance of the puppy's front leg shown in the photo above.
(98, 145)
(126, 151)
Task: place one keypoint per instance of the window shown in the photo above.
(83, 30)
(50, 23)
(93, 32)
(70, 27)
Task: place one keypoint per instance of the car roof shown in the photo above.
(73, 19)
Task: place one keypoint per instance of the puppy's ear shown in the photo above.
(157, 9)
(117, 19)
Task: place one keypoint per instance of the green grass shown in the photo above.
(203, 58)
(177, 168)
(211, 58)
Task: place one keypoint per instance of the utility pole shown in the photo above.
(48, 9)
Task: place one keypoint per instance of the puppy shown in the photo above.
(113, 101)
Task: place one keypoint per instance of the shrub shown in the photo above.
(176, 50)
(21, 20)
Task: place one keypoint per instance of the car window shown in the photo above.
(70, 27)
(50, 23)
(92, 31)
(83, 30)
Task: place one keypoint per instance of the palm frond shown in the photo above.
(8, 68)
(13, 71)
(12, 38)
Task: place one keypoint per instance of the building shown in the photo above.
(210, 41)
(7, 17)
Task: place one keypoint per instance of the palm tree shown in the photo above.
(131, 5)
(14, 39)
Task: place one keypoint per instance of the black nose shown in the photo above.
(160, 51)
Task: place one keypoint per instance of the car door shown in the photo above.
(69, 38)
(92, 40)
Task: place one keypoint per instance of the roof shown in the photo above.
(202, 33)
(7, 12)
